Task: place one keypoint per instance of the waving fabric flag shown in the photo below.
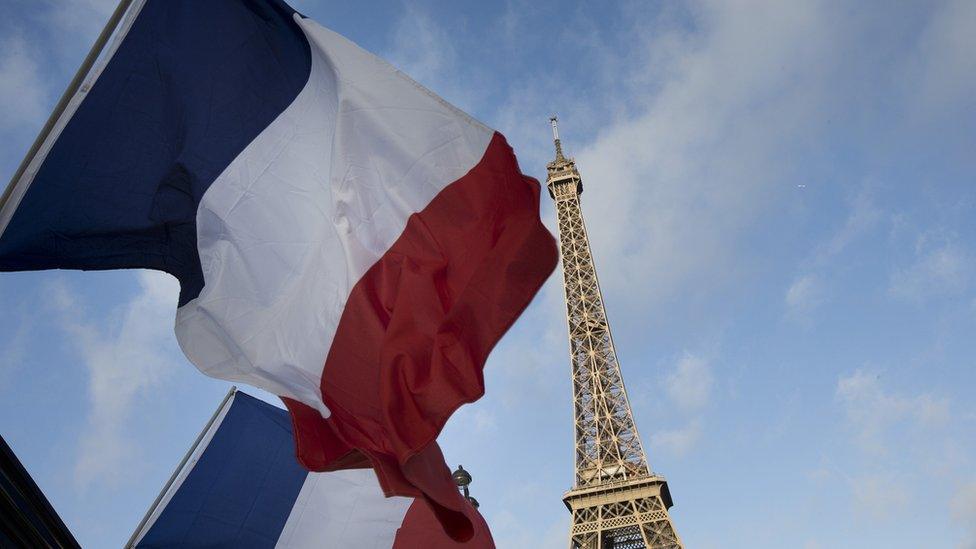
(343, 237)
(243, 487)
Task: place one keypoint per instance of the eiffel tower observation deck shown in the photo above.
(616, 501)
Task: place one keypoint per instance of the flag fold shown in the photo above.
(243, 487)
(343, 237)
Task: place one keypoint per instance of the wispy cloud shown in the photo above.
(940, 72)
(15, 345)
(863, 216)
(963, 508)
(424, 50)
(23, 96)
(80, 18)
(690, 384)
(126, 357)
(688, 388)
(678, 441)
(941, 267)
(880, 497)
(676, 184)
(60, 34)
(804, 295)
(810, 288)
(872, 411)
(900, 437)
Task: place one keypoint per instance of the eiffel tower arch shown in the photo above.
(616, 501)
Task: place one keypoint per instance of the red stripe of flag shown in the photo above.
(419, 326)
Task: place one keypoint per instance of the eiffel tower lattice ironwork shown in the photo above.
(616, 501)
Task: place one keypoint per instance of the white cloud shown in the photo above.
(68, 27)
(820, 475)
(941, 71)
(690, 385)
(907, 440)
(880, 497)
(872, 411)
(423, 50)
(943, 269)
(671, 189)
(963, 508)
(689, 389)
(77, 23)
(863, 215)
(421, 47)
(809, 289)
(23, 97)
(125, 358)
(15, 347)
(677, 442)
(804, 294)
(476, 419)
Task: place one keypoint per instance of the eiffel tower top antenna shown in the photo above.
(554, 121)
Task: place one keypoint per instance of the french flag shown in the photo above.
(242, 487)
(343, 237)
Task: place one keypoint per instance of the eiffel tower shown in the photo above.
(616, 501)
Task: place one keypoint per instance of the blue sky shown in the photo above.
(782, 204)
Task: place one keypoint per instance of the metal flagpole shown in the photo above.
(73, 86)
(179, 468)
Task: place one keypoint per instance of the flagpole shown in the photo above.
(70, 92)
(179, 468)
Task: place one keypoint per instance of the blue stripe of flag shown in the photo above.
(242, 489)
(190, 86)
